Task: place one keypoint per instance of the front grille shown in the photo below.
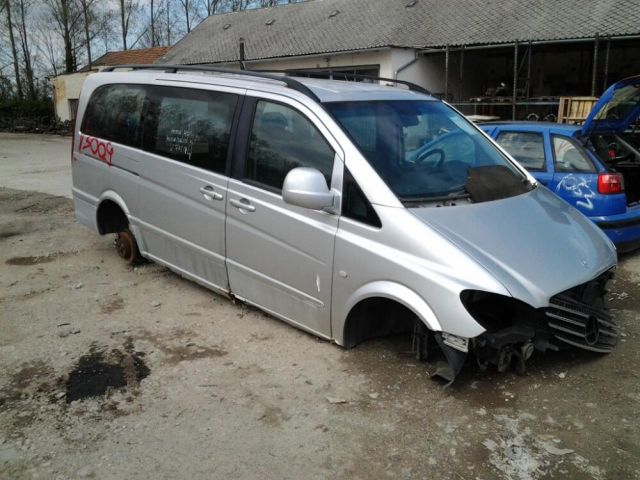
(581, 325)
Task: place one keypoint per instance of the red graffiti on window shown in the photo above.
(97, 148)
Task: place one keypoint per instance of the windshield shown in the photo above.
(426, 151)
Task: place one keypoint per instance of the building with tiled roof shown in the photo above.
(66, 87)
(460, 49)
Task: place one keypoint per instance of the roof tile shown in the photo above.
(307, 28)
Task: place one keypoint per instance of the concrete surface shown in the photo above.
(233, 393)
(39, 163)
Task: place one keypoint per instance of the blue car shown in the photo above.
(564, 159)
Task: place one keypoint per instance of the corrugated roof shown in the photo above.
(128, 57)
(313, 27)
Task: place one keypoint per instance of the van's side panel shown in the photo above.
(182, 216)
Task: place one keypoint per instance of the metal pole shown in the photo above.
(594, 71)
(606, 65)
(515, 80)
(446, 72)
(461, 72)
(529, 70)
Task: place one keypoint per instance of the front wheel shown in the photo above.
(127, 247)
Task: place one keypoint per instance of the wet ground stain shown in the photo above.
(37, 260)
(100, 372)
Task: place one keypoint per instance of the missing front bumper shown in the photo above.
(576, 317)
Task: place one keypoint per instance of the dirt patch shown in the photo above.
(26, 389)
(57, 204)
(36, 260)
(8, 233)
(185, 350)
(273, 416)
(100, 372)
(112, 304)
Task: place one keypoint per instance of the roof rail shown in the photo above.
(292, 83)
(347, 75)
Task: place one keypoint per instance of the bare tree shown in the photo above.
(67, 19)
(153, 26)
(26, 51)
(46, 45)
(188, 11)
(16, 68)
(210, 7)
(128, 10)
(88, 17)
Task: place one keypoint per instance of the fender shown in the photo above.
(399, 293)
(114, 197)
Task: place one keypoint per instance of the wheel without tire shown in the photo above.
(127, 247)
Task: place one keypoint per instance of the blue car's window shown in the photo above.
(569, 156)
(425, 150)
(526, 147)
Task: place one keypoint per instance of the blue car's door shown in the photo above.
(575, 177)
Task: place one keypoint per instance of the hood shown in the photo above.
(618, 107)
(535, 244)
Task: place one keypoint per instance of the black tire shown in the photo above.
(127, 247)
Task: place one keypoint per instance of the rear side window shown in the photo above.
(526, 147)
(191, 126)
(114, 113)
(281, 140)
(568, 156)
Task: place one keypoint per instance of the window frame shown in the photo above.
(246, 129)
(578, 147)
(154, 96)
(545, 167)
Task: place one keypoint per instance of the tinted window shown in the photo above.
(526, 147)
(114, 113)
(354, 203)
(281, 140)
(191, 126)
(570, 156)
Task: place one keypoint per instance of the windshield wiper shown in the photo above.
(441, 198)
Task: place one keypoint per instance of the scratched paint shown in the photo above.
(96, 148)
(578, 187)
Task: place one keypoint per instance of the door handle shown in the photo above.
(242, 204)
(210, 194)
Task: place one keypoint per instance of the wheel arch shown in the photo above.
(112, 214)
(385, 291)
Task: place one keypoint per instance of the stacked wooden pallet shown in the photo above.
(574, 110)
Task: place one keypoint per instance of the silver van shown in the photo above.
(347, 209)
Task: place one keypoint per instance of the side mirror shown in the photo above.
(306, 187)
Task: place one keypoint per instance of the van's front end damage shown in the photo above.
(553, 265)
(576, 317)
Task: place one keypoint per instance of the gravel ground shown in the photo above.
(205, 388)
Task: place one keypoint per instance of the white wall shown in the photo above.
(66, 87)
(428, 72)
(381, 58)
